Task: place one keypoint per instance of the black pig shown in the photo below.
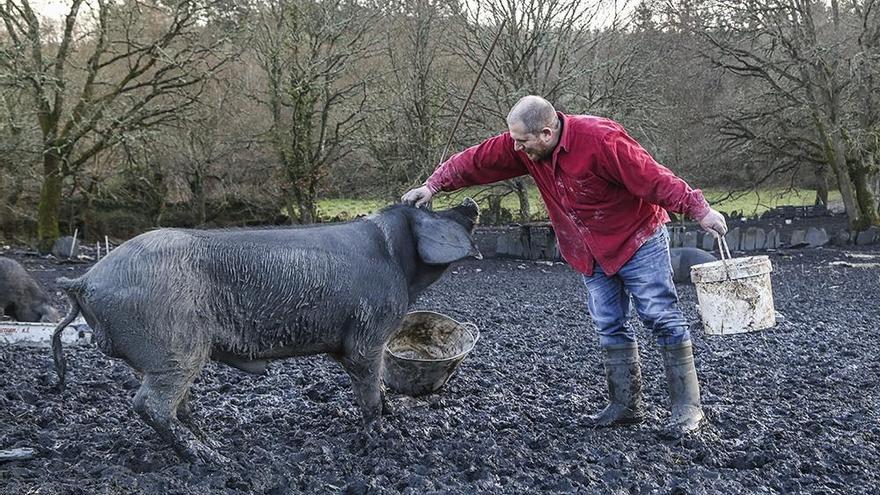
(21, 298)
(683, 259)
(169, 300)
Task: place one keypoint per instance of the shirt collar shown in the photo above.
(564, 143)
(565, 137)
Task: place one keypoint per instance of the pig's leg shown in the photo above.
(157, 401)
(387, 410)
(364, 368)
(185, 414)
(386, 406)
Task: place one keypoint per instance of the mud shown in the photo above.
(426, 336)
(792, 409)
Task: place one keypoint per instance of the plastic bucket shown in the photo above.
(735, 295)
(426, 351)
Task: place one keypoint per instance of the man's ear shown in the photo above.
(441, 241)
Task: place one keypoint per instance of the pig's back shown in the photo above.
(274, 285)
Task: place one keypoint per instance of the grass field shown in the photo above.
(754, 203)
(750, 203)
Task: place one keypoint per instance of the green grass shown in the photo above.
(346, 209)
(749, 203)
(754, 203)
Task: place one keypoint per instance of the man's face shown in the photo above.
(537, 146)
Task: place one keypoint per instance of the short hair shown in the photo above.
(534, 113)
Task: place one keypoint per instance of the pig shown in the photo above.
(683, 259)
(21, 298)
(169, 300)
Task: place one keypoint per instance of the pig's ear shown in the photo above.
(441, 241)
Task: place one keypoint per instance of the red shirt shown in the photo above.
(604, 193)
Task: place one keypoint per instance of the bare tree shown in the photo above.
(407, 102)
(18, 151)
(546, 48)
(307, 50)
(815, 65)
(203, 152)
(114, 68)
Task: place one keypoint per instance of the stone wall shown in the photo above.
(538, 242)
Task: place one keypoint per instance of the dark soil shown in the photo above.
(792, 409)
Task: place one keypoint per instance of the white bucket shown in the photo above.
(735, 295)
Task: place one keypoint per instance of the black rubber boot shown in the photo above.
(684, 390)
(624, 377)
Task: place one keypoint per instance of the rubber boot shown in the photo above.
(624, 377)
(684, 390)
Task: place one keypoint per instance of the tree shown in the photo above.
(546, 48)
(407, 102)
(815, 66)
(204, 150)
(307, 50)
(18, 151)
(114, 68)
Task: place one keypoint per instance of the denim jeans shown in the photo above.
(647, 277)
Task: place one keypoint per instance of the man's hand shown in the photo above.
(714, 222)
(418, 196)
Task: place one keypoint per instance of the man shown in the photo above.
(607, 199)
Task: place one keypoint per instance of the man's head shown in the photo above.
(534, 127)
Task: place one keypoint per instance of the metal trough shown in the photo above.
(426, 351)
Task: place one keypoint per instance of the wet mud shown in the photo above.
(791, 409)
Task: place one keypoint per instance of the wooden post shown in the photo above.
(72, 245)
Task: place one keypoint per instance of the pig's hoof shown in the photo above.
(387, 408)
(371, 438)
(206, 439)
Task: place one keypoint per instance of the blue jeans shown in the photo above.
(647, 277)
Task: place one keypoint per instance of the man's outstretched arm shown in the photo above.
(492, 160)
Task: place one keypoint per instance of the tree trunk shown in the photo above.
(874, 187)
(494, 216)
(305, 203)
(865, 198)
(50, 201)
(197, 189)
(9, 222)
(90, 226)
(203, 208)
(303, 207)
(821, 186)
(525, 214)
(307, 210)
(837, 158)
(292, 215)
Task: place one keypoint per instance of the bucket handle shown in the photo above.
(722, 246)
(473, 327)
(475, 330)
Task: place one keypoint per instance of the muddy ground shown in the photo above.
(792, 409)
